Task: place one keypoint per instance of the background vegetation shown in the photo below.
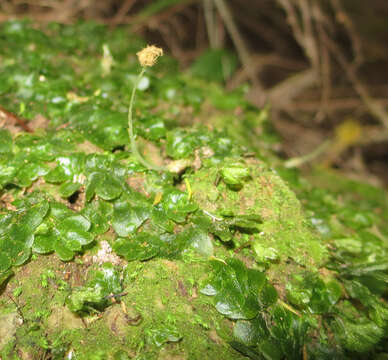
(224, 250)
(320, 64)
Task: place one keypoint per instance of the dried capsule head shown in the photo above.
(149, 55)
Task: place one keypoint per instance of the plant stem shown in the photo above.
(132, 139)
(299, 161)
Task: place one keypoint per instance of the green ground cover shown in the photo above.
(227, 255)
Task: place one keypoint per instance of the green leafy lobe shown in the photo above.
(235, 289)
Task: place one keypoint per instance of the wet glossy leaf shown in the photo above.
(378, 311)
(218, 228)
(245, 223)
(177, 205)
(310, 291)
(104, 128)
(250, 332)
(69, 188)
(37, 148)
(108, 277)
(15, 246)
(72, 164)
(5, 262)
(245, 350)
(222, 146)
(199, 240)
(142, 246)
(109, 188)
(191, 237)
(60, 248)
(75, 222)
(65, 233)
(6, 221)
(270, 350)
(44, 244)
(164, 334)
(268, 296)
(334, 291)
(263, 253)
(35, 215)
(23, 255)
(235, 289)
(151, 127)
(95, 294)
(94, 179)
(359, 337)
(57, 175)
(288, 333)
(173, 245)
(297, 294)
(59, 211)
(235, 174)
(74, 232)
(19, 236)
(104, 185)
(127, 218)
(351, 246)
(161, 221)
(255, 333)
(180, 144)
(30, 172)
(99, 213)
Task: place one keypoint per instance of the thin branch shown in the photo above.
(208, 9)
(7, 116)
(260, 62)
(293, 21)
(122, 12)
(325, 72)
(344, 19)
(374, 106)
(238, 42)
(282, 94)
(310, 43)
(334, 104)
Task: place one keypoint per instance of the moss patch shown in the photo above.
(216, 258)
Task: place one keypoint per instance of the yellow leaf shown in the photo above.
(348, 133)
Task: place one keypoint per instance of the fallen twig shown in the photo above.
(334, 104)
(239, 43)
(374, 106)
(7, 116)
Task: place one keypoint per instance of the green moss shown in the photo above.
(283, 264)
(159, 295)
(284, 226)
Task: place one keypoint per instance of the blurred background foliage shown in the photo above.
(320, 64)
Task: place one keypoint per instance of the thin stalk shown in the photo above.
(132, 139)
(301, 160)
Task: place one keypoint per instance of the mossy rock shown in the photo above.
(282, 226)
(161, 315)
(225, 257)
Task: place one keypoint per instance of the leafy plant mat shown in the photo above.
(223, 257)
